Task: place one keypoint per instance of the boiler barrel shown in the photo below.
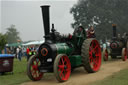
(63, 48)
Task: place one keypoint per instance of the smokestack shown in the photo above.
(46, 21)
(114, 30)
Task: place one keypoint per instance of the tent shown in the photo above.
(33, 43)
(14, 44)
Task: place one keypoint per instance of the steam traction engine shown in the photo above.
(61, 54)
(118, 46)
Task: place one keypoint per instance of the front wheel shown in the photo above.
(105, 54)
(33, 68)
(124, 54)
(62, 67)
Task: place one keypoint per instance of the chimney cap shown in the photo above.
(45, 6)
(114, 25)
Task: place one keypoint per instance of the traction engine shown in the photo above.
(60, 54)
(118, 46)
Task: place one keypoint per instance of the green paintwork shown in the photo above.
(63, 48)
(75, 60)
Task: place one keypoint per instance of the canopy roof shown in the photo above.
(33, 43)
(14, 44)
(25, 44)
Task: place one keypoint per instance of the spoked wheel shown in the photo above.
(124, 54)
(62, 67)
(91, 55)
(105, 54)
(33, 68)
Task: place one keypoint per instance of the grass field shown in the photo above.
(119, 78)
(18, 76)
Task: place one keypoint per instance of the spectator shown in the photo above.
(17, 52)
(27, 51)
(20, 53)
(119, 37)
(24, 51)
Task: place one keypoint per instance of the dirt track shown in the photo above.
(81, 77)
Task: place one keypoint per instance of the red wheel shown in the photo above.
(95, 55)
(62, 67)
(124, 54)
(33, 68)
(91, 55)
(105, 54)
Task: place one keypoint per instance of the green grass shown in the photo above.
(19, 74)
(119, 78)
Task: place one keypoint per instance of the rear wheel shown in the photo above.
(105, 54)
(124, 54)
(62, 67)
(91, 55)
(33, 68)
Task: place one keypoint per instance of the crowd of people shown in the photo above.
(28, 51)
(20, 52)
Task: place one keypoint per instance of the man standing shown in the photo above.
(20, 53)
(27, 51)
(17, 52)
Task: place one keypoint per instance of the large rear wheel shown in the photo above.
(33, 68)
(105, 54)
(62, 67)
(124, 54)
(91, 55)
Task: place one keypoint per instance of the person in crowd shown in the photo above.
(24, 51)
(17, 52)
(27, 51)
(119, 37)
(20, 54)
(6, 51)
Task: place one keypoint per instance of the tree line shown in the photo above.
(11, 36)
(101, 14)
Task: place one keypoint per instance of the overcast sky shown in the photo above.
(26, 15)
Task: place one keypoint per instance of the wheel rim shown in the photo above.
(106, 54)
(125, 54)
(36, 74)
(95, 55)
(64, 68)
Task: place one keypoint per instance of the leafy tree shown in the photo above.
(101, 14)
(12, 34)
(2, 41)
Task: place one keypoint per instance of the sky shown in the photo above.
(26, 15)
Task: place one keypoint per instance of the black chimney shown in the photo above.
(46, 21)
(114, 30)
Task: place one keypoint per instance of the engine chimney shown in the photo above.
(114, 30)
(46, 21)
